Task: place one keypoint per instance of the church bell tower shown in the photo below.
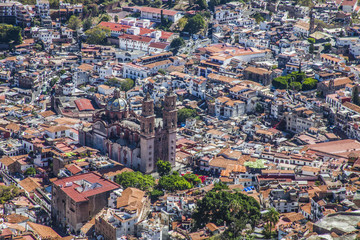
(169, 127)
(147, 138)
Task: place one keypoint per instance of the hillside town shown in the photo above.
(174, 119)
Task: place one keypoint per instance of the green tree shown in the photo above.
(127, 84)
(163, 167)
(355, 96)
(30, 171)
(327, 47)
(162, 71)
(54, 4)
(182, 23)
(10, 34)
(176, 44)
(259, 108)
(258, 17)
(311, 48)
(195, 24)
(105, 18)
(136, 180)
(202, 4)
(311, 40)
(74, 23)
(116, 18)
(220, 206)
(7, 193)
(155, 194)
(87, 23)
(173, 182)
(214, 3)
(309, 84)
(280, 82)
(272, 217)
(220, 186)
(185, 113)
(54, 81)
(192, 178)
(165, 24)
(156, 3)
(295, 86)
(97, 35)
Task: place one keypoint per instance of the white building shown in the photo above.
(133, 42)
(225, 107)
(154, 14)
(42, 8)
(227, 14)
(197, 87)
(106, 90)
(133, 71)
(58, 131)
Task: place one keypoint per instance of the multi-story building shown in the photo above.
(14, 13)
(284, 201)
(154, 14)
(227, 108)
(227, 14)
(121, 219)
(78, 198)
(42, 8)
(301, 119)
(197, 87)
(134, 42)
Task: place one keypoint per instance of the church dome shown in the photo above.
(116, 103)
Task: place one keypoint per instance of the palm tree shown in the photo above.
(272, 217)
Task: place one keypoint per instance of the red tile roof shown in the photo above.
(159, 45)
(348, 3)
(136, 38)
(84, 104)
(157, 10)
(73, 169)
(166, 35)
(71, 187)
(114, 26)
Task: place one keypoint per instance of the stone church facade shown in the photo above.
(136, 141)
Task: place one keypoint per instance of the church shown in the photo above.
(136, 141)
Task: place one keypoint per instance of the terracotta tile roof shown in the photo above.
(340, 147)
(131, 197)
(7, 161)
(74, 169)
(57, 128)
(77, 193)
(85, 67)
(157, 11)
(306, 208)
(43, 231)
(159, 45)
(212, 227)
(16, 218)
(136, 38)
(47, 113)
(30, 184)
(114, 26)
(352, 106)
(293, 217)
(260, 71)
(13, 127)
(84, 105)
